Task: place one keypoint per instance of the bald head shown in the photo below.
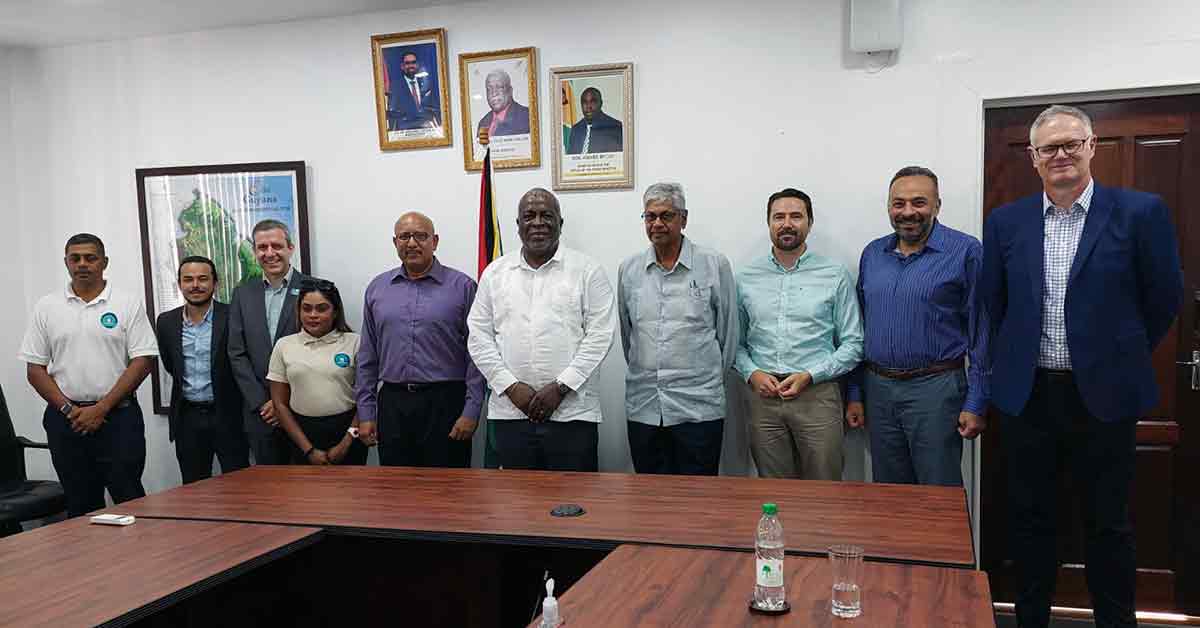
(539, 223)
(541, 196)
(415, 219)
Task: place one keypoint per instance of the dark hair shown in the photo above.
(599, 97)
(791, 193)
(268, 225)
(84, 238)
(330, 292)
(409, 52)
(916, 171)
(196, 259)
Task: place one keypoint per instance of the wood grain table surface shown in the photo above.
(75, 573)
(649, 586)
(912, 524)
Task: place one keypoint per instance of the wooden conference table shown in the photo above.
(440, 547)
(647, 585)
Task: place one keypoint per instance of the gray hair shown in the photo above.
(665, 193)
(498, 74)
(271, 224)
(1059, 110)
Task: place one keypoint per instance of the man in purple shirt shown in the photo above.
(414, 343)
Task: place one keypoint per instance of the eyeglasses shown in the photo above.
(1050, 150)
(666, 217)
(419, 236)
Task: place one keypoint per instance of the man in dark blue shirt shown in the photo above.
(920, 319)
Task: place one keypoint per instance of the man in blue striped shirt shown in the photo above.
(917, 291)
(800, 332)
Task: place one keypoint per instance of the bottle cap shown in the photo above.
(770, 509)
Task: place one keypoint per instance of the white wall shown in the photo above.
(734, 102)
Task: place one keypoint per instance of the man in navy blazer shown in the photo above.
(597, 132)
(1081, 283)
(414, 99)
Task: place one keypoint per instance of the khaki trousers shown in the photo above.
(798, 438)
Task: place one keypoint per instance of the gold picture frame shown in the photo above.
(592, 150)
(412, 100)
(515, 139)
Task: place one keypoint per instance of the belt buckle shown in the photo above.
(412, 388)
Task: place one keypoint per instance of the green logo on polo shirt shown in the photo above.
(109, 320)
(341, 360)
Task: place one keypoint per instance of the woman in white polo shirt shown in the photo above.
(312, 380)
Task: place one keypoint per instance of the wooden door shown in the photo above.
(1151, 144)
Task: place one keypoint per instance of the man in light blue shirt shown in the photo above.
(800, 330)
(679, 329)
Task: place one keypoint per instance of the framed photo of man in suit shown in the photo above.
(593, 126)
(499, 93)
(411, 100)
(210, 211)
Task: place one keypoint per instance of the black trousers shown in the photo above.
(325, 432)
(414, 425)
(692, 448)
(270, 445)
(113, 457)
(1056, 433)
(548, 445)
(205, 430)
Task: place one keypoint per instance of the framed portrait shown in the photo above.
(210, 211)
(412, 106)
(593, 126)
(499, 93)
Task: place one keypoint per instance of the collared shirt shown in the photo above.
(273, 299)
(539, 325)
(87, 346)
(197, 357)
(799, 319)
(415, 332)
(1062, 231)
(921, 308)
(679, 330)
(320, 371)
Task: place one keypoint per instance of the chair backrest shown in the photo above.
(12, 455)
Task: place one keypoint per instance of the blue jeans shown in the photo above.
(914, 427)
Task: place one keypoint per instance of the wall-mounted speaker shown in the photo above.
(875, 25)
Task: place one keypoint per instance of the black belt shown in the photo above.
(903, 374)
(1055, 373)
(198, 405)
(415, 386)
(124, 403)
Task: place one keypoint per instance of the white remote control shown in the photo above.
(114, 520)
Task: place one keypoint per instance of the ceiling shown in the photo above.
(63, 22)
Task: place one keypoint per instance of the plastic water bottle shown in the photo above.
(768, 564)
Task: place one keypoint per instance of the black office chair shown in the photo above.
(22, 499)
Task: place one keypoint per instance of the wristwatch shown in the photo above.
(563, 389)
(67, 408)
(352, 431)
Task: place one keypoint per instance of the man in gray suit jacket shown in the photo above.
(263, 311)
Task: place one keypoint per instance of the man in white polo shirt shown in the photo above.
(87, 349)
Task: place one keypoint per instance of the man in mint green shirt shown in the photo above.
(800, 330)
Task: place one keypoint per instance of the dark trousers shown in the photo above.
(205, 430)
(414, 425)
(914, 428)
(1054, 433)
(692, 448)
(113, 457)
(270, 445)
(548, 445)
(325, 432)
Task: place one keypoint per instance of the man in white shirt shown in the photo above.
(542, 322)
(87, 349)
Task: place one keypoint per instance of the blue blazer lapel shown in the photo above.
(1093, 226)
(1036, 237)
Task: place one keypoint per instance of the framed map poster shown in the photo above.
(210, 211)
